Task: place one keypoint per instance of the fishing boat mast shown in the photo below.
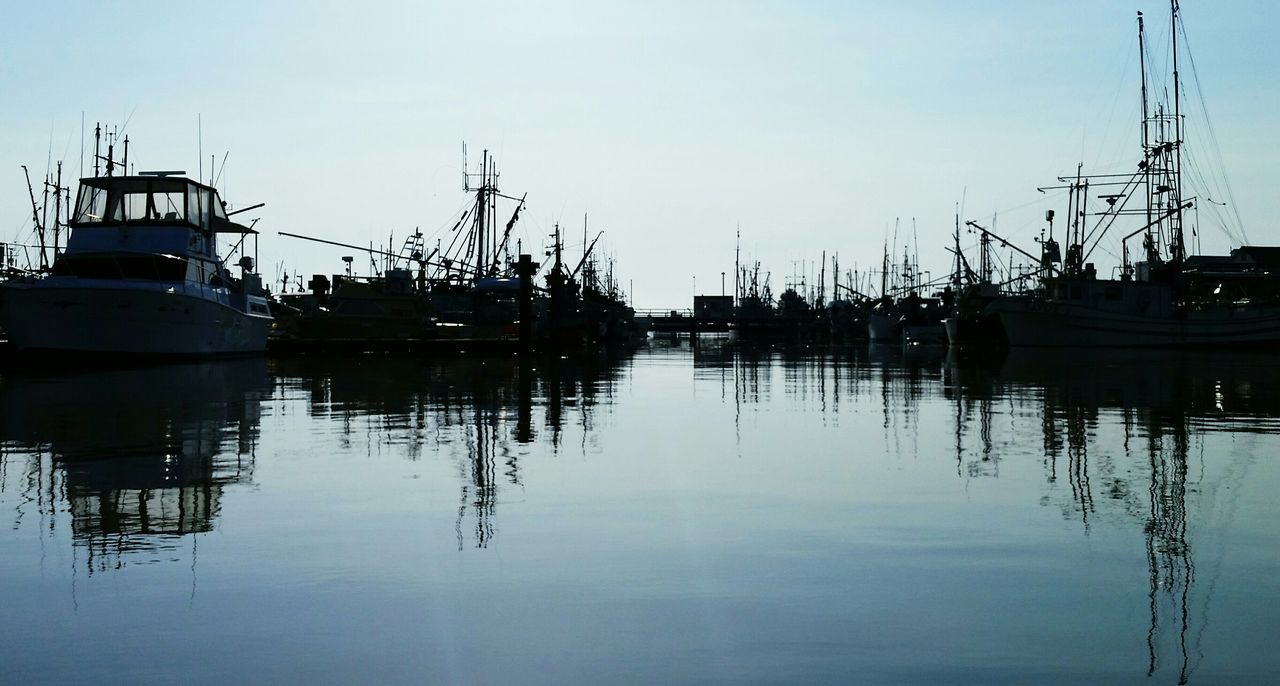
(1145, 123)
(1178, 246)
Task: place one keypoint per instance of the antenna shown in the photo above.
(97, 147)
(57, 209)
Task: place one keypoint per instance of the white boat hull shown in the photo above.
(122, 317)
(1037, 323)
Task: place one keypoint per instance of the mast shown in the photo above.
(835, 277)
(1177, 247)
(822, 278)
(737, 264)
(492, 214)
(984, 259)
(915, 251)
(44, 201)
(482, 203)
(884, 272)
(1146, 135)
(956, 278)
(559, 268)
(57, 209)
(111, 154)
(97, 147)
(35, 218)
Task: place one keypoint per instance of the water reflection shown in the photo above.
(907, 515)
(819, 376)
(1164, 404)
(136, 458)
(481, 411)
(1120, 437)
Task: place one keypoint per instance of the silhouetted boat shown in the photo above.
(140, 275)
(1169, 299)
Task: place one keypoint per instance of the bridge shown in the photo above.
(683, 321)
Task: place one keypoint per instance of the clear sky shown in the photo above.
(813, 125)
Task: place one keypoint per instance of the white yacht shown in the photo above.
(140, 275)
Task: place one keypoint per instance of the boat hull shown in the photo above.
(1033, 323)
(883, 328)
(128, 318)
(983, 331)
(924, 334)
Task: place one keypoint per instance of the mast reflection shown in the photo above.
(483, 412)
(816, 376)
(1165, 404)
(140, 457)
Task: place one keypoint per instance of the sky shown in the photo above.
(808, 126)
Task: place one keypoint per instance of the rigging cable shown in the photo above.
(1215, 147)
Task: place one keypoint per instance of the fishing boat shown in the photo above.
(1170, 298)
(970, 323)
(140, 274)
(463, 291)
(902, 313)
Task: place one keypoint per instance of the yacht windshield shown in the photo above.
(92, 206)
(143, 200)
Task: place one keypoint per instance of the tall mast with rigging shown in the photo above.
(1146, 136)
(1177, 247)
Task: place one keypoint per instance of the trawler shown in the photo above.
(1169, 298)
(140, 274)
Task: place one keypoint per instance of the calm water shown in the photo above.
(672, 516)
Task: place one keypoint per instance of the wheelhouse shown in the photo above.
(117, 201)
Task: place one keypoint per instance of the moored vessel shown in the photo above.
(140, 274)
(1170, 297)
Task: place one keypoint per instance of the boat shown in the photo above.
(902, 314)
(140, 274)
(1170, 298)
(1202, 301)
(415, 299)
(969, 324)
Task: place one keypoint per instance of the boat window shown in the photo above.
(131, 207)
(218, 210)
(196, 271)
(98, 205)
(198, 202)
(139, 267)
(92, 205)
(157, 267)
(169, 206)
(87, 268)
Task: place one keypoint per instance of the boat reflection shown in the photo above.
(1123, 439)
(487, 411)
(139, 456)
(818, 377)
(1127, 431)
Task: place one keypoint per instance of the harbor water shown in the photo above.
(715, 513)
